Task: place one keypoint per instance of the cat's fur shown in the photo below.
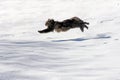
(65, 25)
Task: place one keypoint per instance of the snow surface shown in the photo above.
(27, 55)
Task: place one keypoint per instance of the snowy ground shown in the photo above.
(27, 55)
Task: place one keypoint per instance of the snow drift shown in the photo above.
(27, 55)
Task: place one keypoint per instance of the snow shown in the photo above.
(27, 55)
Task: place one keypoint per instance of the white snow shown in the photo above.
(27, 55)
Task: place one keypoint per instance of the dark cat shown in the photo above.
(65, 25)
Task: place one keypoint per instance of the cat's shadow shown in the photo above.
(98, 36)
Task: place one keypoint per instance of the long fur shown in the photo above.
(65, 25)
